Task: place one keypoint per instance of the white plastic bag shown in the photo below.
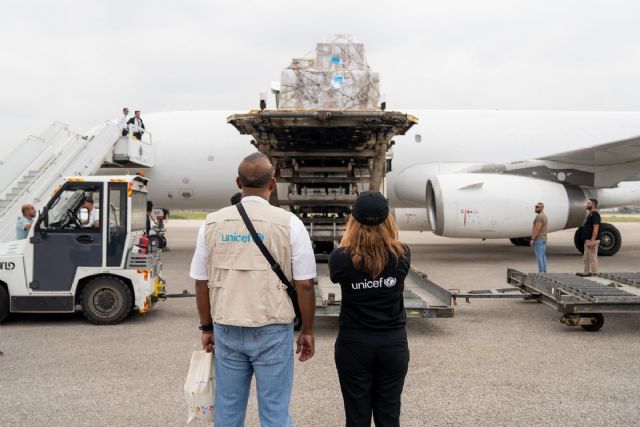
(200, 387)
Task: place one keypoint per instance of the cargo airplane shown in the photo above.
(457, 173)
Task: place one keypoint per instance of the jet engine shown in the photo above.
(488, 206)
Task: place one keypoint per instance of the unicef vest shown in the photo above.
(243, 289)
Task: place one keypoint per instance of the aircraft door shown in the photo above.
(69, 237)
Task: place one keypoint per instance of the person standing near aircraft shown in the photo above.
(25, 222)
(122, 122)
(243, 306)
(539, 237)
(138, 125)
(591, 236)
(371, 350)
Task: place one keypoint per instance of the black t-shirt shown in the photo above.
(367, 302)
(590, 221)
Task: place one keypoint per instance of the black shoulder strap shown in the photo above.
(270, 259)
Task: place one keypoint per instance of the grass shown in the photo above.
(621, 218)
(188, 215)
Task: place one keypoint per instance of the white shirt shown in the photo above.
(137, 123)
(94, 216)
(122, 122)
(303, 260)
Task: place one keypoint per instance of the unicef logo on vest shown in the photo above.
(239, 238)
(390, 282)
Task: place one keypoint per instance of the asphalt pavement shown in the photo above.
(496, 363)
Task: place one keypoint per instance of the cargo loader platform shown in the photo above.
(323, 159)
(582, 301)
(422, 297)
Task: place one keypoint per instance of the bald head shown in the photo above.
(28, 211)
(255, 171)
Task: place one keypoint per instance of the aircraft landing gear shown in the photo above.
(610, 240)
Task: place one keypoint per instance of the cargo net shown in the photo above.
(335, 76)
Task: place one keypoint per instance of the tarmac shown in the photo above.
(496, 363)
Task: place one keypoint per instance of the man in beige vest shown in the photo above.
(245, 311)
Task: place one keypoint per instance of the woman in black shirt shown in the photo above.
(371, 351)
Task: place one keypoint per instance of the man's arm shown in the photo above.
(594, 235)
(303, 265)
(536, 230)
(595, 218)
(198, 272)
(204, 312)
(307, 303)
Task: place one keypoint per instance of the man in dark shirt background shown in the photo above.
(591, 236)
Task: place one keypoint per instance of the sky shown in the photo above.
(80, 61)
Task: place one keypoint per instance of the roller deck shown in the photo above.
(582, 301)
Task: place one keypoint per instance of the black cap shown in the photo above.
(370, 208)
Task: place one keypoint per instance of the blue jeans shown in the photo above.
(266, 351)
(539, 247)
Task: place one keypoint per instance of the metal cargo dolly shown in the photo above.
(583, 301)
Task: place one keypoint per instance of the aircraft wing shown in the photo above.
(607, 164)
(611, 154)
(601, 166)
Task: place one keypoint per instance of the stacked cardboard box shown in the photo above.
(336, 77)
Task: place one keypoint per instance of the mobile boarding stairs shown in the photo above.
(31, 172)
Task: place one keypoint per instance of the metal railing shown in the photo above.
(146, 136)
(78, 155)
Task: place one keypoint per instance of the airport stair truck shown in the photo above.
(77, 258)
(330, 138)
(38, 165)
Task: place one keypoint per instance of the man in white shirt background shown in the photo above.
(122, 121)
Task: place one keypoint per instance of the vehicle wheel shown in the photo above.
(597, 321)
(610, 240)
(521, 241)
(578, 241)
(163, 242)
(106, 300)
(4, 303)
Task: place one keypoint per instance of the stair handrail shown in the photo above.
(132, 127)
(59, 173)
(50, 149)
(45, 168)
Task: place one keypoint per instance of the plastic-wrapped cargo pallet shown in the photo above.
(336, 78)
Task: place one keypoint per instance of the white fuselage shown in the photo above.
(197, 152)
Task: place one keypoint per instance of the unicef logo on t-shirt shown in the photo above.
(389, 282)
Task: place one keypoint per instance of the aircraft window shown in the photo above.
(418, 137)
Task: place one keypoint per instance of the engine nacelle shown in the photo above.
(410, 219)
(496, 206)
